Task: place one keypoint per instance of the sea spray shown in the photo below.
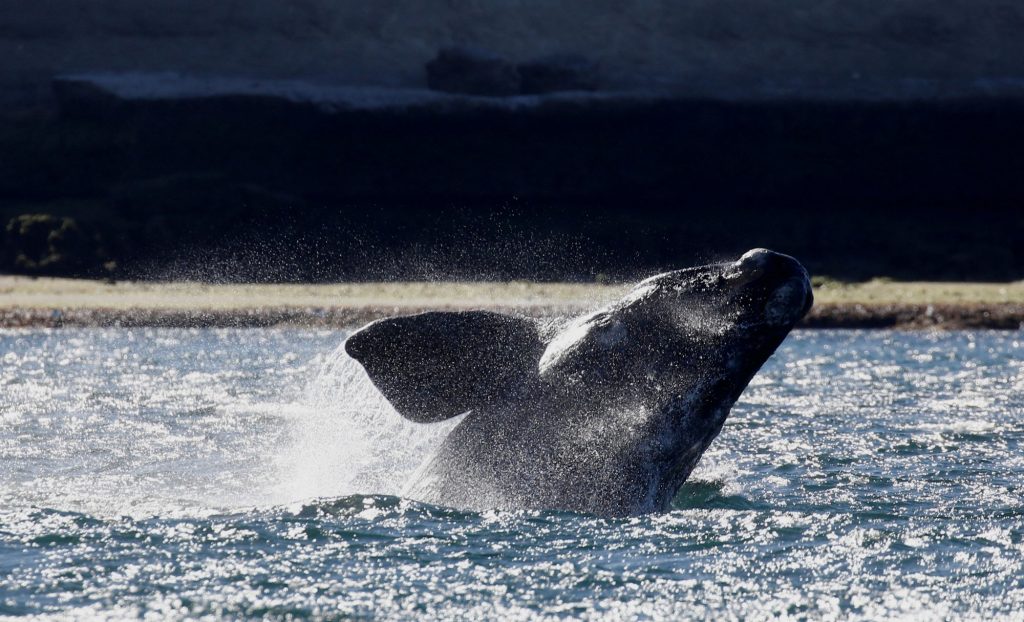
(347, 439)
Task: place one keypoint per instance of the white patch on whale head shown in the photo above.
(606, 334)
(567, 340)
(748, 268)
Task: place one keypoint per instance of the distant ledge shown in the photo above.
(90, 91)
(1001, 316)
(75, 91)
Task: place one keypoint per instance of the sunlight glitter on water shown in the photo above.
(179, 474)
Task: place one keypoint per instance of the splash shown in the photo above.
(347, 439)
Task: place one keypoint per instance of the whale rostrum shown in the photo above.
(607, 413)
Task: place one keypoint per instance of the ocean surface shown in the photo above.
(181, 474)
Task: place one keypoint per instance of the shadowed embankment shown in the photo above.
(367, 185)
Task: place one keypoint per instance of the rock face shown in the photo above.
(699, 47)
(303, 176)
(558, 73)
(472, 72)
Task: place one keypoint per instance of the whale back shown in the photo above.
(436, 365)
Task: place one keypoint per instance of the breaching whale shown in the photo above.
(607, 413)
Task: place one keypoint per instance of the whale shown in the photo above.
(606, 413)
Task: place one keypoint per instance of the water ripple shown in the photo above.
(175, 474)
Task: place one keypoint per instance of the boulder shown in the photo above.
(472, 72)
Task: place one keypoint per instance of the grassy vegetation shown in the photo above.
(885, 291)
(55, 293)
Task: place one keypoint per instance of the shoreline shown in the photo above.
(1007, 316)
(52, 303)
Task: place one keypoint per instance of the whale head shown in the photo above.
(678, 350)
(673, 321)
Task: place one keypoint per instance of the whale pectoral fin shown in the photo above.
(437, 365)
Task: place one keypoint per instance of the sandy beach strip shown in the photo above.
(52, 302)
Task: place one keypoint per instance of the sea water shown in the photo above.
(181, 474)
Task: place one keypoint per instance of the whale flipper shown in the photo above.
(437, 365)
